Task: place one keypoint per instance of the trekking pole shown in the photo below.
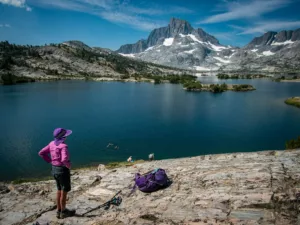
(107, 204)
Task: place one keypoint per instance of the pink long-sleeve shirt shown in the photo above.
(59, 154)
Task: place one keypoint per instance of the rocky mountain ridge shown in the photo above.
(180, 45)
(275, 38)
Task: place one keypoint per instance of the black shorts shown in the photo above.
(62, 177)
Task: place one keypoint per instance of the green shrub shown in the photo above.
(226, 76)
(180, 79)
(223, 76)
(9, 79)
(174, 79)
(293, 144)
(126, 76)
(6, 63)
(192, 85)
(157, 80)
(224, 87)
(216, 88)
(242, 87)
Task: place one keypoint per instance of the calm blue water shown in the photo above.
(140, 118)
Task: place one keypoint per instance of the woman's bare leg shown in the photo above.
(58, 201)
(63, 200)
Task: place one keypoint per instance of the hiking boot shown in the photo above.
(67, 213)
(58, 214)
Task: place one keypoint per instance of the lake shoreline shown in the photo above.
(295, 80)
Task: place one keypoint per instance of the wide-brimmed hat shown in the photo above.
(60, 134)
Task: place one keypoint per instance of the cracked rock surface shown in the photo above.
(240, 188)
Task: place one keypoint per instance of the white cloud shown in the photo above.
(246, 10)
(116, 11)
(134, 21)
(158, 10)
(67, 5)
(5, 26)
(16, 3)
(225, 35)
(265, 26)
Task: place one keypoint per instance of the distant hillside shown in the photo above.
(71, 60)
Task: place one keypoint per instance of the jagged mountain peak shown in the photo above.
(179, 26)
(175, 28)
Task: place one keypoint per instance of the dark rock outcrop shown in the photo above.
(265, 39)
(138, 47)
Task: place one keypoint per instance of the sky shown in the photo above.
(112, 23)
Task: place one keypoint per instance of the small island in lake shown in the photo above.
(216, 88)
(295, 101)
(223, 76)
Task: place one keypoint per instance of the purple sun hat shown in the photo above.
(60, 135)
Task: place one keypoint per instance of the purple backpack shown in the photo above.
(152, 181)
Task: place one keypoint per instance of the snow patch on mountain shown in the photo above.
(268, 53)
(193, 37)
(282, 43)
(190, 51)
(168, 41)
(222, 60)
(127, 55)
(150, 48)
(200, 68)
(217, 48)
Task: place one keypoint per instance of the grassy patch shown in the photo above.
(295, 101)
(91, 166)
(26, 180)
(114, 165)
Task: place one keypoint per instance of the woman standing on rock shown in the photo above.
(61, 165)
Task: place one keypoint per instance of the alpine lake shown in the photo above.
(139, 119)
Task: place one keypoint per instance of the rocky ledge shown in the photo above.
(238, 188)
